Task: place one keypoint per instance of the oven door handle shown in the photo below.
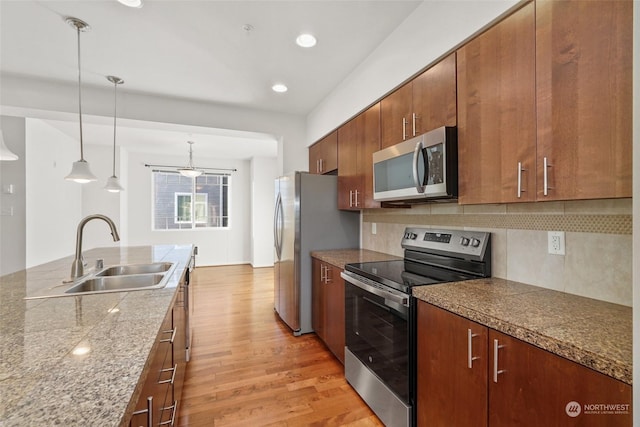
(376, 291)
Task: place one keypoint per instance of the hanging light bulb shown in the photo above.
(5, 153)
(190, 171)
(113, 185)
(80, 171)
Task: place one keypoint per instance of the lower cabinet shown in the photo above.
(161, 392)
(470, 375)
(328, 306)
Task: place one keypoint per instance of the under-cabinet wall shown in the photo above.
(598, 240)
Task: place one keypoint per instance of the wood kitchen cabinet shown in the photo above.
(461, 382)
(425, 103)
(328, 306)
(584, 96)
(497, 112)
(544, 105)
(358, 139)
(323, 155)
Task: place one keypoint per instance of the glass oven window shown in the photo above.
(378, 336)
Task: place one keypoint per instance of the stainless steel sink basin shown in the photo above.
(122, 270)
(117, 283)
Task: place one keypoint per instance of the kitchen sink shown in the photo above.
(129, 269)
(121, 283)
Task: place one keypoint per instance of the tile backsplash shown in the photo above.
(598, 241)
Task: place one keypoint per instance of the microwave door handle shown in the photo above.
(416, 158)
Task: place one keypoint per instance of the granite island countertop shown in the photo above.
(42, 381)
(593, 333)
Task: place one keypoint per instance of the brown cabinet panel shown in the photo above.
(348, 179)
(327, 318)
(318, 298)
(395, 108)
(434, 96)
(584, 97)
(496, 112)
(449, 392)
(535, 387)
(323, 155)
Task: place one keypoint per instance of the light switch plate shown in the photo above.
(373, 228)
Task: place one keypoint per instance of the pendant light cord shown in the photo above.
(80, 95)
(115, 109)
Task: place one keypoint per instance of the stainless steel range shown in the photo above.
(380, 314)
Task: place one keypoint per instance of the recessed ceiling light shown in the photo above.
(279, 87)
(131, 3)
(306, 40)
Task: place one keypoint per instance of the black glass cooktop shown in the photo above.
(403, 274)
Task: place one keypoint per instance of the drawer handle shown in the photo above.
(173, 335)
(173, 414)
(470, 358)
(173, 375)
(148, 411)
(520, 170)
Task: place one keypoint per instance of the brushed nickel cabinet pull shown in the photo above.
(404, 129)
(546, 165)
(148, 411)
(173, 335)
(520, 170)
(173, 408)
(496, 372)
(413, 119)
(470, 358)
(173, 375)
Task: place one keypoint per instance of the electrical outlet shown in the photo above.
(556, 242)
(373, 228)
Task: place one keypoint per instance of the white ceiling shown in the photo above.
(199, 49)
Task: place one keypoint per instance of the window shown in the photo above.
(180, 202)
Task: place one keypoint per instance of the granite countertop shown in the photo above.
(340, 257)
(42, 381)
(593, 333)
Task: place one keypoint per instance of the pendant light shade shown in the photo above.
(80, 172)
(190, 171)
(113, 185)
(5, 153)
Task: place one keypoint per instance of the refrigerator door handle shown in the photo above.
(277, 231)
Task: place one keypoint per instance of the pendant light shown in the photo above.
(190, 171)
(5, 153)
(80, 171)
(113, 185)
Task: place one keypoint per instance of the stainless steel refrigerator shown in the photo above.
(306, 218)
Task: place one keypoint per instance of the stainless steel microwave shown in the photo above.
(423, 167)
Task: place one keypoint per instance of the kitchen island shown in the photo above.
(79, 360)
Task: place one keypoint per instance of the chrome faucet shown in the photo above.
(77, 268)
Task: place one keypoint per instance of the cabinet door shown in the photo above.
(449, 391)
(315, 154)
(395, 108)
(348, 178)
(180, 341)
(496, 112)
(536, 388)
(584, 97)
(368, 144)
(323, 155)
(334, 312)
(434, 96)
(317, 298)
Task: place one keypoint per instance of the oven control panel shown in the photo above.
(457, 243)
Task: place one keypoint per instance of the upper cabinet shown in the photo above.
(425, 103)
(323, 155)
(544, 105)
(496, 113)
(584, 97)
(358, 139)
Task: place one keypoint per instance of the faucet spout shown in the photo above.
(77, 268)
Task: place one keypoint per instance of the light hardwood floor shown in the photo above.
(247, 369)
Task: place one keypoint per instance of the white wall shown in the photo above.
(215, 247)
(263, 175)
(13, 205)
(54, 206)
(434, 28)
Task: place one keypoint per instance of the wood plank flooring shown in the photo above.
(247, 369)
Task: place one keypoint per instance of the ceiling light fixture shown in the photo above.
(279, 87)
(306, 40)
(190, 171)
(80, 171)
(5, 153)
(132, 3)
(113, 185)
